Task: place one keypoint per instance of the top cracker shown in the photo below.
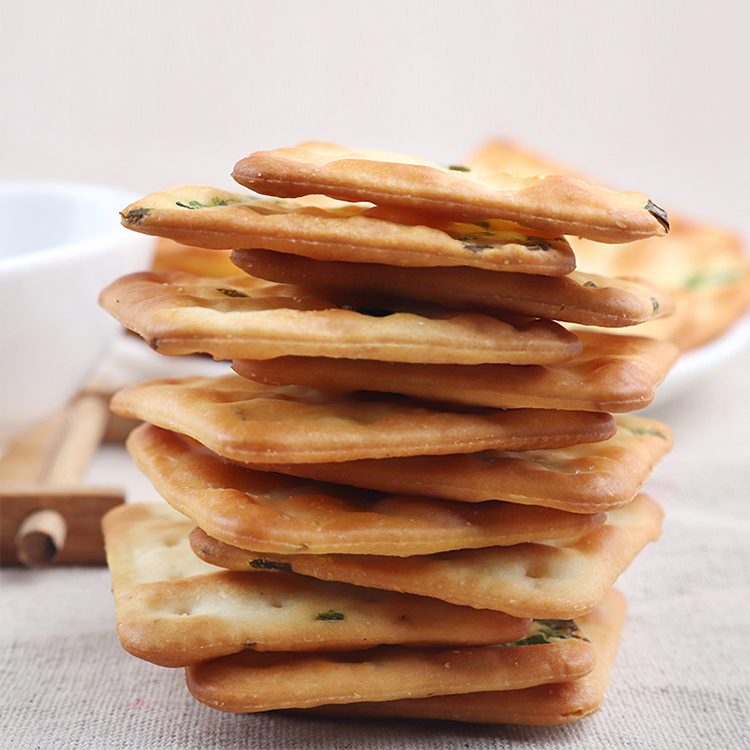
(549, 203)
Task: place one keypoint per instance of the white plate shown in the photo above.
(695, 365)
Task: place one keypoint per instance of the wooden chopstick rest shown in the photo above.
(47, 514)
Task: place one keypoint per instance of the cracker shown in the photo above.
(276, 513)
(173, 609)
(211, 218)
(253, 423)
(173, 256)
(542, 705)
(584, 298)
(235, 318)
(556, 579)
(588, 478)
(704, 268)
(612, 374)
(552, 203)
(501, 155)
(252, 682)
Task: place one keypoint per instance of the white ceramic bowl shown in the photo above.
(60, 244)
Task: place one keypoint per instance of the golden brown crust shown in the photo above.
(587, 478)
(174, 610)
(612, 374)
(704, 268)
(211, 218)
(173, 256)
(242, 317)
(540, 706)
(551, 203)
(251, 682)
(584, 298)
(251, 423)
(556, 579)
(276, 513)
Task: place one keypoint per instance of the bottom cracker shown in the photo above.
(251, 682)
(538, 706)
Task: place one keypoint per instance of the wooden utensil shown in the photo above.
(47, 514)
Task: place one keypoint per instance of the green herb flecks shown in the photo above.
(546, 631)
(458, 168)
(475, 236)
(473, 241)
(231, 292)
(647, 431)
(261, 564)
(535, 243)
(658, 213)
(330, 616)
(711, 278)
(134, 216)
(212, 203)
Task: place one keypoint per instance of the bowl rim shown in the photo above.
(91, 244)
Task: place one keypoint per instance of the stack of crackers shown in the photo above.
(704, 267)
(414, 490)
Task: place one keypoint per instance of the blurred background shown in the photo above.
(644, 95)
(648, 95)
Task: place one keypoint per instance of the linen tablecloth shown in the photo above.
(681, 678)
